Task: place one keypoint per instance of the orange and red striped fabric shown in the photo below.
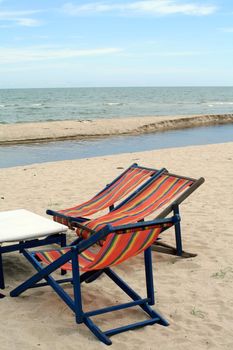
(121, 246)
(126, 183)
(116, 249)
(154, 197)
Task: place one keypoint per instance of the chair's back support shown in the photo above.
(123, 185)
(158, 197)
(193, 185)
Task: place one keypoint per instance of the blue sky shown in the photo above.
(61, 43)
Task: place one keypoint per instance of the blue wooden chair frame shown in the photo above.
(59, 238)
(76, 304)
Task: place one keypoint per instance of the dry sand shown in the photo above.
(195, 295)
(79, 129)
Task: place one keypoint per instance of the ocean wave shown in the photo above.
(113, 104)
(9, 105)
(219, 103)
(37, 105)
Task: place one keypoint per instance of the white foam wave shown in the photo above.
(36, 105)
(219, 103)
(113, 104)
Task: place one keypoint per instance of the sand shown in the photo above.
(81, 129)
(195, 294)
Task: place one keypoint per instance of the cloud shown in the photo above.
(177, 53)
(227, 29)
(21, 18)
(145, 7)
(9, 55)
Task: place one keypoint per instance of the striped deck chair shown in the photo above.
(119, 188)
(120, 243)
(160, 196)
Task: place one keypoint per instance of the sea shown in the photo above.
(34, 105)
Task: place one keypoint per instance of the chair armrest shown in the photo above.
(123, 229)
(68, 247)
(106, 230)
(63, 216)
(145, 225)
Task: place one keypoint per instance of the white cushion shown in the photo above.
(21, 224)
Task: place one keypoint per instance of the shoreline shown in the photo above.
(24, 133)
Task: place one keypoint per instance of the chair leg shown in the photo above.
(2, 284)
(79, 314)
(63, 240)
(96, 331)
(149, 276)
(63, 244)
(94, 276)
(179, 248)
(77, 289)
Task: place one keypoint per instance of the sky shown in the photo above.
(59, 43)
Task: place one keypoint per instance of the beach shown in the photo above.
(194, 295)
